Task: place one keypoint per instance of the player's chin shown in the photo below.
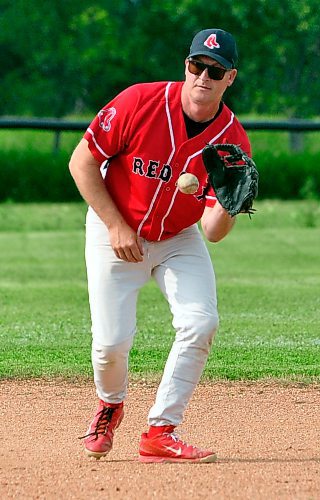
(202, 95)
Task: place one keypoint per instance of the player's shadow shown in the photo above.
(228, 461)
(225, 460)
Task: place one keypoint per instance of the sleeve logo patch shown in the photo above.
(105, 117)
(211, 42)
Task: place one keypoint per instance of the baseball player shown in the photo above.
(139, 225)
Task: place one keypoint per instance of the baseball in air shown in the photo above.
(188, 183)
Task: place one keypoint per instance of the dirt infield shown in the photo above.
(266, 436)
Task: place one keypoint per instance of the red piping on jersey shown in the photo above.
(96, 144)
(169, 159)
(169, 122)
(186, 166)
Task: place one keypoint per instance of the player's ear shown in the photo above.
(232, 76)
(186, 67)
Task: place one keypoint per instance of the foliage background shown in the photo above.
(60, 58)
(31, 170)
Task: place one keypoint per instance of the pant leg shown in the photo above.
(113, 286)
(110, 370)
(187, 279)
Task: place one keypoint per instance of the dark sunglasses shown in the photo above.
(197, 68)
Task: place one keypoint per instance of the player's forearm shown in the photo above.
(94, 192)
(216, 223)
(85, 171)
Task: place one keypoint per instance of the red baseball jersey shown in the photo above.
(140, 138)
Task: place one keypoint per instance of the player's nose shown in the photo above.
(204, 75)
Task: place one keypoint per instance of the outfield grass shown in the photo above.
(268, 287)
(44, 140)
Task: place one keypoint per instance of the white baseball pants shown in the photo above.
(183, 270)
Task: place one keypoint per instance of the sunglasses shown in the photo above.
(197, 68)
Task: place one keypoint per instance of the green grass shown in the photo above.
(38, 140)
(268, 288)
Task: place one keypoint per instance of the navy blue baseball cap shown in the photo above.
(217, 44)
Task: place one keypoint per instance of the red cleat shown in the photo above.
(167, 447)
(99, 438)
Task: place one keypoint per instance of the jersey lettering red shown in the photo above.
(152, 169)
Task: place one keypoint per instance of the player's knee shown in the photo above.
(207, 326)
(199, 329)
(104, 355)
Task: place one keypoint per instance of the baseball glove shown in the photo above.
(233, 176)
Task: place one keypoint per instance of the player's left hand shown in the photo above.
(233, 176)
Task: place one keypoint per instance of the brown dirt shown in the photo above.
(266, 435)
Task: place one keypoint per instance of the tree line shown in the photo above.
(60, 58)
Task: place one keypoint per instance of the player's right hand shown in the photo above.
(126, 244)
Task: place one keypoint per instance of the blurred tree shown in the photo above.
(58, 58)
(280, 56)
(38, 64)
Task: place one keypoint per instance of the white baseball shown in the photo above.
(188, 183)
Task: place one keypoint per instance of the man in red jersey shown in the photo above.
(139, 225)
